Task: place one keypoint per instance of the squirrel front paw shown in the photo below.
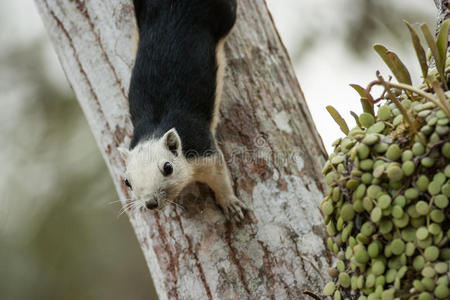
(233, 208)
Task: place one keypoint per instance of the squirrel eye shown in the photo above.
(168, 169)
(128, 184)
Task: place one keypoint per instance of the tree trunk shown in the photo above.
(266, 132)
(443, 12)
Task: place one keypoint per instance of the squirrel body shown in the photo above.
(174, 98)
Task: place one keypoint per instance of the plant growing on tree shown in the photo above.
(387, 209)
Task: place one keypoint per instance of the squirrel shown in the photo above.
(174, 99)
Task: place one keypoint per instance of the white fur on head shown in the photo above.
(145, 168)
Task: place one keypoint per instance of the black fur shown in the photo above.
(173, 83)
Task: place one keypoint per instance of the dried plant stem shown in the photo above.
(311, 294)
(441, 95)
(390, 96)
(421, 93)
(442, 103)
(397, 103)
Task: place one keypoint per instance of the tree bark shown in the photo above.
(268, 137)
(443, 12)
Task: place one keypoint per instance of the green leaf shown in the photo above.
(431, 43)
(339, 120)
(366, 104)
(361, 91)
(394, 63)
(355, 116)
(403, 73)
(442, 40)
(420, 52)
(434, 51)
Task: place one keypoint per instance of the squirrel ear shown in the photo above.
(172, 140)
(124, 152)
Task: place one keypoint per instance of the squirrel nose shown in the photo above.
(151, 204)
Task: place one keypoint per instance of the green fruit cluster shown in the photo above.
(387, 210)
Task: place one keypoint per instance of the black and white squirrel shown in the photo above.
(174, 96)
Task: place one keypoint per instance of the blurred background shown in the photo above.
(61, 236)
